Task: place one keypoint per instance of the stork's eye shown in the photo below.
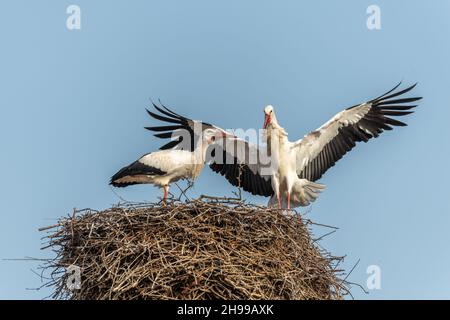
(213, 138)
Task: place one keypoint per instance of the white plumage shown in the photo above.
(161, 168)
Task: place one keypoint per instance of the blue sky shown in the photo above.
(72, 113)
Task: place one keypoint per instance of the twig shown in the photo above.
(207, 248)
(190, 184)
(117, 195)
(218, 199)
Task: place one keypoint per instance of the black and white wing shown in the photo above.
(321, 149)
(244, 165)
(151, 165)
(183, 132)
(232, 158)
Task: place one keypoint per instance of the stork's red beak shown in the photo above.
(267, 121)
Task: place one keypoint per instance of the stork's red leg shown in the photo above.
(166, 191)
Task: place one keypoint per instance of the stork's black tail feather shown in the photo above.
(135, 173)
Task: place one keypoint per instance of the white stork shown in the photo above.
(287, 171)
(163, 167)
(310, 157)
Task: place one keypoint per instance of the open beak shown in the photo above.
(266, 121)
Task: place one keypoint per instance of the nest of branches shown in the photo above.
(196, 250)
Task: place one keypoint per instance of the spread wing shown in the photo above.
(183, 132)
(235, 159)
(243, 165)
(321, 149)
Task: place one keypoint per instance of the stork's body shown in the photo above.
(296, 165)
(288, 187)
(161, 168)
(283, 162)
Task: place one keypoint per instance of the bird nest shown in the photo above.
(196, 250)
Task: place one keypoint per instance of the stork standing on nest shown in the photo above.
(163, 167)
(309, 158)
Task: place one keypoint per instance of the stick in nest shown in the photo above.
(220, 248)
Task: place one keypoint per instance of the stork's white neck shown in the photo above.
(198, 158)
(275, 131)
(275, 126)
(276, 137)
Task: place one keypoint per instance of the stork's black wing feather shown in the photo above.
(321, 149)
(181, 132)
(240, 163)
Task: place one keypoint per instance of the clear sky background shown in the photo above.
(72, 113)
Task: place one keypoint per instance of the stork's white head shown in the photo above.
(269, 115)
